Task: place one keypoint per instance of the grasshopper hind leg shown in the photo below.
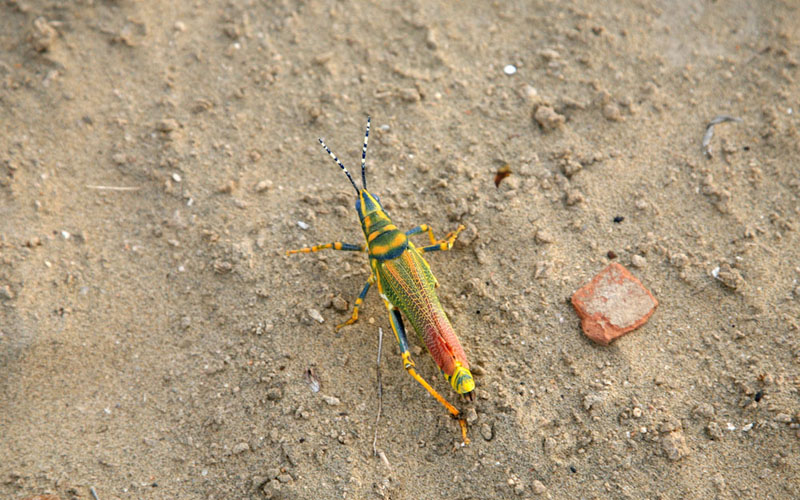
(408, 363)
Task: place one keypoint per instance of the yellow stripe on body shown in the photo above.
(379, 249)
(398, 239)
(375, 234)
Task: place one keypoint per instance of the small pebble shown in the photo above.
(302, 225)
(510, 69)
(222, 266)
(674, 444)
(487, 432)
(638, 261)
(176, 177)
(547, 117)
(544, 236)
(612, 113)
(339, 303)
(571, 167)
(274, 393)
(263, 186)
(313, 381)
(679, 260)
(43, 35)
(315, 315)
(574, 197)
(714, 431)
(730, 277)
(226, 187)
(241, 448)
(538, 487)
(167, 125)
(613, 304)
(410, 95)
(673, 424)
(549, 54)
(331, 400)
(593, 400)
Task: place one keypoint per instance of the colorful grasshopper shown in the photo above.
(406, 285)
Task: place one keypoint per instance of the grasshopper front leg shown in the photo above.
(445, 243)
(336, 245)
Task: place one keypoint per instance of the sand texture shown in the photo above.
(157, 159)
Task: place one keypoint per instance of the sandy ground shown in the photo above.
(155, 340)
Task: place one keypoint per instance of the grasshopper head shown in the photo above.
(367, 204)
(461, 380)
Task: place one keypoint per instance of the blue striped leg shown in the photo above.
(336, 245)
(359, 300)
(443, 244)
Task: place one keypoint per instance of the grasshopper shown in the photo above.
(406, 285)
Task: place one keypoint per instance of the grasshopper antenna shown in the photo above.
(340, 164)
(364, 158)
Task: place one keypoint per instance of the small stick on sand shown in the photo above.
(380, 400)
(385, 460)
(710, 131)
(112, 188)
(375, 450)
(94, 493)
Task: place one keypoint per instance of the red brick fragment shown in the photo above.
(613, 304)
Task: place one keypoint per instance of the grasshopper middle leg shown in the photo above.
(359, 300)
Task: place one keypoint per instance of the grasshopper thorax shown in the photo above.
(385, 241)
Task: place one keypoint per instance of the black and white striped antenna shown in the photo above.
(364, 158)
(321, 141)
